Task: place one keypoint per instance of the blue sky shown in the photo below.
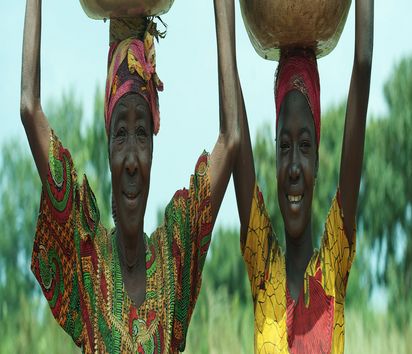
(74, 54)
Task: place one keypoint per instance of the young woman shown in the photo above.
(120, 290)
(299, 295)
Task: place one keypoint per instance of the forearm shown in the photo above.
(233, 112)
(356, 113)
(225, 149)
(227, 68)
(32, 116)
(364, 34)
(244, 172)
(30, 73)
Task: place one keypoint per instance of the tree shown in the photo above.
(386, 203)
(25, 326)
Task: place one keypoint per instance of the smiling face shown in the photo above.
(130, 154)
(296, 163)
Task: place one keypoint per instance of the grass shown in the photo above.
(220, 324)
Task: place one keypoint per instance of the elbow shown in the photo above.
(231, 141)
(27, 109)
(25, 112)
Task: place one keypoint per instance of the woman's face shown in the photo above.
(130, 154)
(296, 163)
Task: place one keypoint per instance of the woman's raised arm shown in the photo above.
(34, 121)
(355, 122)
(232, 110)
(226, 148)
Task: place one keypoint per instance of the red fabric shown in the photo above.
(124, 81)
(310, 327)
(298, 70)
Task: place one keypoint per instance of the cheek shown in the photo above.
(145, 164)
(115, 166)
(281, 170)
(310, 173)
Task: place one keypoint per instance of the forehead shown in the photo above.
(131, 108)
(295, 114)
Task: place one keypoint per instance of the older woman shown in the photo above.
(120, 290)
(299, 295)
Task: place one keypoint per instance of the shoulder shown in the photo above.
(89, 214)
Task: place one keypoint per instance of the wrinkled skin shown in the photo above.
(130, 157)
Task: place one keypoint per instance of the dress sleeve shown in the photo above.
(336, 253)
(188, 221)
(259, 243)
(56, 250)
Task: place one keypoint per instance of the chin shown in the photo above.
(295, 224)
(130, 221)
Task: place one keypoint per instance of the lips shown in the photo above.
(130, 195)
(295, 202)
(131, 198)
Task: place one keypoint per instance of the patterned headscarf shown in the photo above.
(298, 70)
(132, 69)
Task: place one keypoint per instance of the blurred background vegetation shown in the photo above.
(379, 297)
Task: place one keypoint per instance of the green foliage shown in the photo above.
(225, 267)
(18, 210)
(327, 181)
(368, 332)
(386, 198)
(26, 323)
(223, 318)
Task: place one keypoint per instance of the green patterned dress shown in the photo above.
(76, 262)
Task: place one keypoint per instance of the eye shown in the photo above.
(284, 146)
(305, 146)
(120, 135)
(141, 134)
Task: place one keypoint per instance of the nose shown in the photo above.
(131, 163)
(295, 167)
(294, 171)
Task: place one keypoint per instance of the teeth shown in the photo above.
(295, 198)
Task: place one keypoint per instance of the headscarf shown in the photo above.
(132, 69)
(298, 70)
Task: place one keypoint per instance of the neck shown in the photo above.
(131, 249)
(299, 251)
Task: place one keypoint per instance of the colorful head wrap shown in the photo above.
(132, 69)
(298, 70)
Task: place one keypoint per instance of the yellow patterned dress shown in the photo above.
(76, 263)
(315, 322)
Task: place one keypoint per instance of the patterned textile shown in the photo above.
(76, 262)
(315, 324)
(132, 69)
(298, 70)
